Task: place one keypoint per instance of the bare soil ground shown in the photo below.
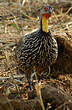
(16, 21)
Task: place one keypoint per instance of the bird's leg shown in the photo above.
(30, 84)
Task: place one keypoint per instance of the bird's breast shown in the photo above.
(48, 51)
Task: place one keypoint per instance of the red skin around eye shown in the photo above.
(46, 9)
(46, 15)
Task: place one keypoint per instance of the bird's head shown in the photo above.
(45, 14)
(46, 11)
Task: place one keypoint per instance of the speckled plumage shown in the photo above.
(38, 49)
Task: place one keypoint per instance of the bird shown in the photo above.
(38, 49)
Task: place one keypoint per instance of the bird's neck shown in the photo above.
(44, 24)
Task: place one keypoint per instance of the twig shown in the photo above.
(31, 18)
(18, 77)
(62, 105)
(38, 90)
(68, 10)
(2, 57)
(23, 2)
(54, 14)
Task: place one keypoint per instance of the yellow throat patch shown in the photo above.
(44, 24)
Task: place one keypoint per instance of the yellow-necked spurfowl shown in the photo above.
(38, 49)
